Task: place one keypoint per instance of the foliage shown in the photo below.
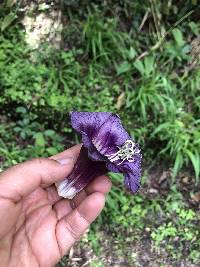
(102, 39)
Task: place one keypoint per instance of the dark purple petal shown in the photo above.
(132, 182)
(110, 135)
(92, 151)
(103, 129)
(88, 122)
(84, 171)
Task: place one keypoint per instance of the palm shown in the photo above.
(46, 226)
(35, 235)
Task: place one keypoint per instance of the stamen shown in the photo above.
(126, 152)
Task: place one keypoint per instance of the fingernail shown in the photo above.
(66, 161)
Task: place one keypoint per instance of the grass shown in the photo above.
(110, 61)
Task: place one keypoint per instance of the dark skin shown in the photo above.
(37, 227)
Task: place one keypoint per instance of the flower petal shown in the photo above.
(92, 151)
(131, 182)
(88, 122)
(84, 171)
(103, 129)
(110, 135)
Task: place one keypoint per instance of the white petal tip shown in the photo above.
(64, 190)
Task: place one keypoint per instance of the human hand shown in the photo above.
(37, 227)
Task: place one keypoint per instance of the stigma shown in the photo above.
(126, 152)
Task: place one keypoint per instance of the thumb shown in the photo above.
(70, 228)
(22, 179)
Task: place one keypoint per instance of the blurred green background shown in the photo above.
(140, 59)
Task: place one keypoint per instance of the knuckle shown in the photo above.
(40, 167)
(83, 218)
(39, 161)
(73, 230)
(77, 227)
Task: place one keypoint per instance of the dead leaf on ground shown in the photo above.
(185, 180)
(71, 253)
(165, 175)
(120, 101)
(196, 197)
(153, 191)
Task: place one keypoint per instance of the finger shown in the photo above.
(73, 151)
(101, 184)
(62, 208)
(22, 179)
(78, 199)
(70, 228)
(52, 194)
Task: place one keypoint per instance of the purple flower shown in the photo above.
(106, 147)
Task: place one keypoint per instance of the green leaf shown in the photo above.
(52, 151)
(10, 3)
(116, 176)
(49, 133)
(43, 7)
(194, 2)
(21, 110)
(111, 202)
(139, 66)
(124, 67)
(194, 27)
(195, 159)
(17, 129)
(160, 128)
(132, 53)
(178, 36)
(7, 21)
(39, 139)
(149, 64)
(178, 164)
(143, 110)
